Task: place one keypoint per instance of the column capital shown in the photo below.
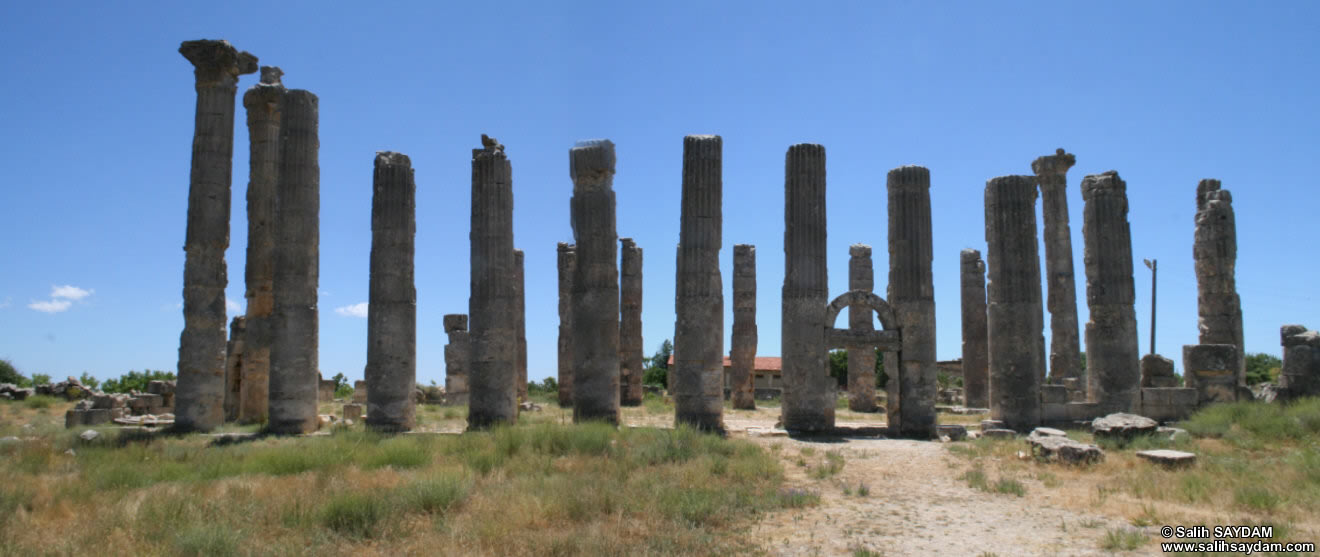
(1053, 166)
(217, 63)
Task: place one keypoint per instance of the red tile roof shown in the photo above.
(766, 363)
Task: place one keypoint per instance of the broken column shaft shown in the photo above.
(201, 388)
(1014, 317)
(391, 372)
(595, 283)
(911, 386)
(458, 355)
(493, 375)
(861, 361)
(630, 323)
(742, 353)
(234, 365)
(566, 258)
(295, 326)
(809, 391)
(1065, 351)
(520, 322)
(975, 352)
(1218, 308)
(1113, 370)
(696, 380)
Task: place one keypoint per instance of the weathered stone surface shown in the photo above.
(359, 392)
(353, 412)
(1063, 449)
(1052, 175)
(89, 435)
(1053, 394)
(861, 360)
(911, 292)
(630, 323)
(742, 353)
(809, 392)
(954, 432)
(492, 375)
(1300, 373)
(263, 103)
(458, 356)
(992, 424)
(595, 283)
(325, 390)
(201, 369)
(1122, 426)
(1174, 433)
(998, 433)
(520, 322)
(1211, 370)
(234, 366)
(1048, 432)
(1112, 369)
(567, 263)
(295, 319)
(1015, 319)
(391, 372)
(1165, 457)
(1157, 371)
(1218, 308)
(975, 336)
(696, 380)
(1168, 403)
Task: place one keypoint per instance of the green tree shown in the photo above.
(340, 380)
(40, 379)
(656, 371)
(86, 379)
(1262, 368)
(10, 374)
(135, 380)
(839, 368)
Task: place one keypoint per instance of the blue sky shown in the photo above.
(98, 122)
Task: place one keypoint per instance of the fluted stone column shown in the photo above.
(493, 374)
(861, 361)
(809, 391)
(262, 102)
(520, 321)
(200, 395)
(567, 262)
(595, 283)
(391, 372)
(235, 352)
(696, 379)
(458, 355)
(911, 386)
(1065, 351)
(1014, 316)
(742, 354)
(975, 339)
(295, 326)
(630, 323)
(1218, 308)
(1113, 369)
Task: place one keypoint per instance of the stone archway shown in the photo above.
(890, 339)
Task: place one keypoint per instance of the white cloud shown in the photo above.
(232, 307)
(355, 310)
(5, 303)
(70, 292)
(51, 306)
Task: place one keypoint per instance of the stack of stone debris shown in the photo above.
(69, 389)
(10, 391)
(152, 408)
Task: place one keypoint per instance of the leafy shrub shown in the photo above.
(355, 515)
(132, 381)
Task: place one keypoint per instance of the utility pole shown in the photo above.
(1153, 265)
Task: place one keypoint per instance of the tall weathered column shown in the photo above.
(861, 361)
(809, 391)
(262, 102)
(742, 353)
(1013, 316)
(458, 355)
(1113, 370)
(696, 379)
(235, 353)
(201, 389)
(567, 262)
(975, 339)
(630, 324)
(391, 372)
(493, 374)
(1065, 351)
(520, 321)
(911, 385)
(295, 327)
(1218, 308)
(595, 283)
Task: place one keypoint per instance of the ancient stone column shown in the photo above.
(1218, 309)
(262, 102)
(742, 353)
(234, 365)
(1113, 370)
(861, 361)
(809, 391)
(911, 386)
(567, 258)
(201, 389)
(493, 374)
(1300, 374)
(520, 321)
(975, 339)
(630, 324)
(1014, 317)
(595, 283)
(458, 355)
(391, 372)
(1065, 352)
(696, 380)
(294, 320)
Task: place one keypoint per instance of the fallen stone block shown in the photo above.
(1048, 432)
(1168, 458)
(998, 433)
(953, 431)
(1063, 449)
(352, 412)
(1122, 426)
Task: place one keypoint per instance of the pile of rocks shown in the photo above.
(152, 408)
(10, 391)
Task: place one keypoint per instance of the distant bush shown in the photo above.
(133, 380)
(1262, 368)
(344, 391)
(40, 379)
(10, 374)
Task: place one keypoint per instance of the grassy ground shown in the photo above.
(537, 488)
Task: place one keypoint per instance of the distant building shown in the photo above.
(767, 376)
